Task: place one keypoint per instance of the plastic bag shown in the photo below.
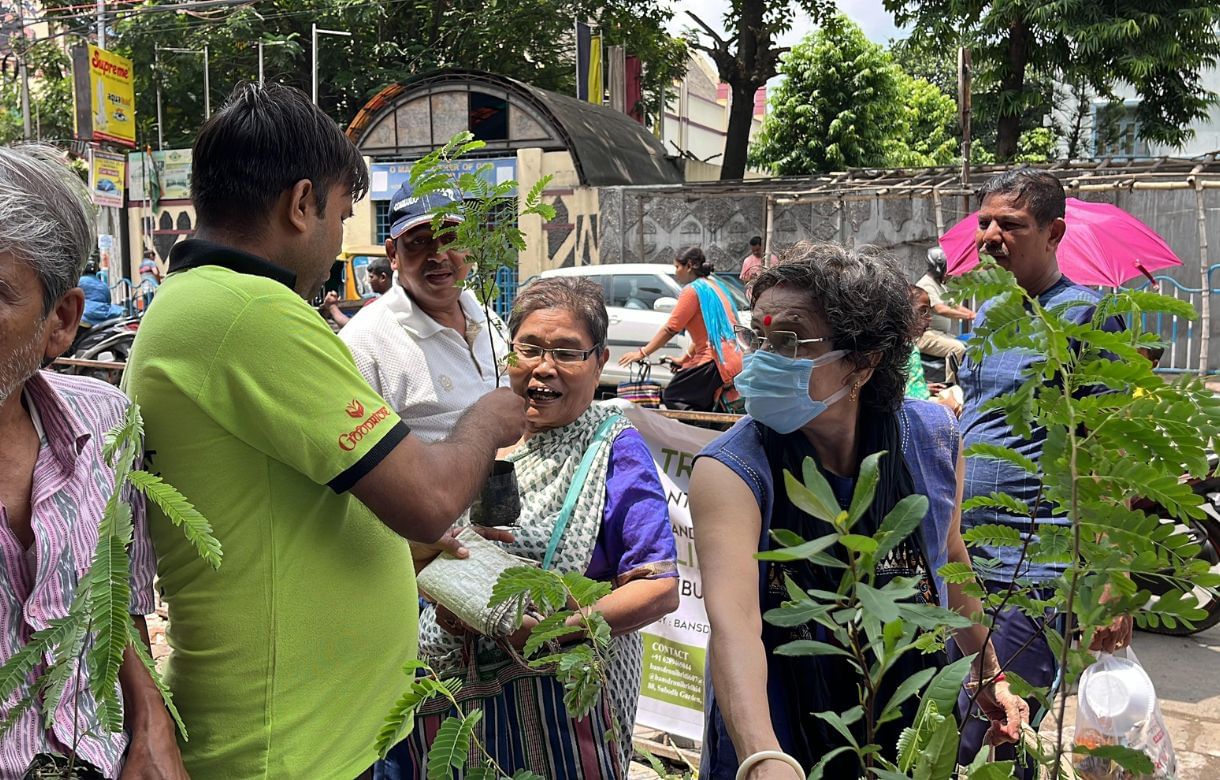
(1117, 706)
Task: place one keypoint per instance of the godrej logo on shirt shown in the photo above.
(348, 441)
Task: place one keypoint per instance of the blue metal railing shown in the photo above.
(506, 285)
(1183, 338)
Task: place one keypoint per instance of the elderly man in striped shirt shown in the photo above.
(53, 478)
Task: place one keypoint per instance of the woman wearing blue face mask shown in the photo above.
(823, 377)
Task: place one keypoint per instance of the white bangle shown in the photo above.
(768, 755)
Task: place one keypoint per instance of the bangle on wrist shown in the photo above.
(767, 755)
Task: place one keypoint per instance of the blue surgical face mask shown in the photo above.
(776, 389)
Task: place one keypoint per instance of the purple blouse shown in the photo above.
(635, 540)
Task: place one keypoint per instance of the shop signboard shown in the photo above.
(106, 178)
(104, 96)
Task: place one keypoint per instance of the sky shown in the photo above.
(876, 22)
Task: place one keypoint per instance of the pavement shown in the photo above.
(1186, 674)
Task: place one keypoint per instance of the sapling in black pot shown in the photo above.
(481, 220)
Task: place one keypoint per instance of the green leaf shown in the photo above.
(809, 647)
(109, 594)
(992, 535)
(905, 690)
(1006, 454)
(1134, 761)
(956, 572)
(181, 513)
(585, 592)
(451, 746)
(819, 769)
(810, 501)
(522, 583)
(946, 685)
(842, 723)
(550, 629)
(801, 552)
(939, 757)
(857, 543)
(1000, 770)
(866, 487)
(167, 697)
(880, 604)
(899, 523)
(1001, 501)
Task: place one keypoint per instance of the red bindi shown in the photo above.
(767, 321)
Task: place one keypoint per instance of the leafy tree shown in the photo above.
(844, 103)
(50, 96)
(391, 40)
(746, 59)
(1160, 50)
(928, 126)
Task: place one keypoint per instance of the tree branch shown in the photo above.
(723, 43)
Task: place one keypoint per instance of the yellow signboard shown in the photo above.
(111, 99)
(106, 178)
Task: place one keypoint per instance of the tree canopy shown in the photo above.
(391, 40)
(845, 103)
(1160, 50)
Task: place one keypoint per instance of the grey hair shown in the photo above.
(865, 299)
(581, 297)
(1038, 191)
(46, 221)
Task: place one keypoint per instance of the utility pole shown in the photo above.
(157, 80)
(101, 23)
(963, 108)
(316, 31)
(207, 85)
(22, 71)
(261, 44)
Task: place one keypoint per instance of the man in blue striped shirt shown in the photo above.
(1021, 222)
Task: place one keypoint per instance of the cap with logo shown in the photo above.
(407, 210)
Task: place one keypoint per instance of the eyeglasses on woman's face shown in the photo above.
(530, 354)
(784, 343)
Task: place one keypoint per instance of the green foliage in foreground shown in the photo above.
(97, 631)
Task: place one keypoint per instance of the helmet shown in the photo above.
(937, 263)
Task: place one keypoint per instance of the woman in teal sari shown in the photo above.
(705, 311)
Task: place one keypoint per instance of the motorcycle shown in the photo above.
(108, 341)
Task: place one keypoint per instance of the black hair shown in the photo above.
(865, 299)
(380, 265)
(756, 241)
(692, 257)
(1037, 191)
(265, 140)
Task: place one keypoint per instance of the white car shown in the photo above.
(639, 298)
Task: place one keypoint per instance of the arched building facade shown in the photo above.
(529, 132)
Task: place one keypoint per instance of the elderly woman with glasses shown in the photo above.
(616, 531)
(823, 378)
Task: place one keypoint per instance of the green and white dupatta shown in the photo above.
(546, 465)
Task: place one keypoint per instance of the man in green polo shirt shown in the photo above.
(287, 659)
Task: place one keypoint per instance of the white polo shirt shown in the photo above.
(428, 373)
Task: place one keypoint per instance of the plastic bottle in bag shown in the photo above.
(1117, 705)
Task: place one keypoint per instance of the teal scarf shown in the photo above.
(716, 319)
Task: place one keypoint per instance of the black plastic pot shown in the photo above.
(500, 502)
(45, 766)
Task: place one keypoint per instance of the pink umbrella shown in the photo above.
(1103, 246)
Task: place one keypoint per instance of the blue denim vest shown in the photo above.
(930, 442)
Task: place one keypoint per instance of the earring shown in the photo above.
(855, 392)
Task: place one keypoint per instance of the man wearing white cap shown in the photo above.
(426, 345)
